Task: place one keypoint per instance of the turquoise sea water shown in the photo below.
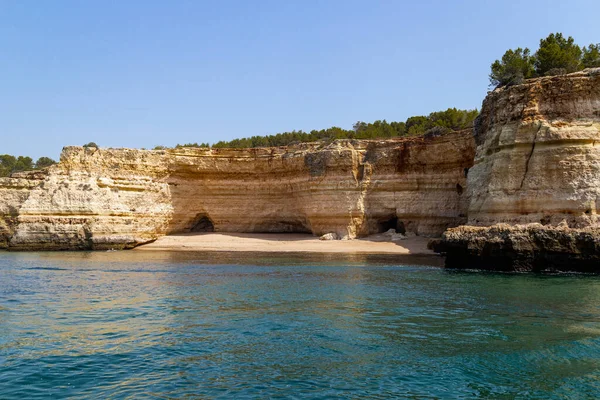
(184, 325)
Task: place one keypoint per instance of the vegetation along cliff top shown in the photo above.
(556, 55)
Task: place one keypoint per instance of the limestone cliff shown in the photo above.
(538, 153)
(13, 193)
(534, 158)
(118, 198)
(352, 188)
(537, 161)
(94, 199)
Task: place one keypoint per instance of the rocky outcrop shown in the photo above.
(14, 192)
(537, 161)
(522, 248)
(94, 199)
(538, 153)
(119, 198)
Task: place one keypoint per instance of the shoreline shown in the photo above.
(286, 243)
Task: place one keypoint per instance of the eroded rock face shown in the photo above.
(14, 192)
(538, 153)
(119, 198)
(537, 161)
(94, 199)
(351, 188)
(522, 248)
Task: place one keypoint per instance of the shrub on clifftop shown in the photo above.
(591, 56)
(44, 162)
(178, 146)
(10, 164)
(513, 69)
(557, 55)
(442, 121)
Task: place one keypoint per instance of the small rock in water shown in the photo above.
(329, 236)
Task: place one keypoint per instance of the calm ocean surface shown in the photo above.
(185, 325)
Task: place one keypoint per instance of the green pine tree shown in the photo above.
(514, 67)
(557, 56)
(591, 56)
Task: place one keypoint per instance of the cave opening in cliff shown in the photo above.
(391, 223)
(202, 224)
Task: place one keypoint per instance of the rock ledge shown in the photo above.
(521, 248)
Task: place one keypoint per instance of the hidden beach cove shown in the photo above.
(518, 192)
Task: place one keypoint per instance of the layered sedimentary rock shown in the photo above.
(352, 188)
(537, 161)
(538, 153)
(95, 199)
(533, 163)
(118, 198)
(13, 193)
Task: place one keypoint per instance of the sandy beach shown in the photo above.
(290, 242)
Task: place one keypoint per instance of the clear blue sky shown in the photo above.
(136, 73)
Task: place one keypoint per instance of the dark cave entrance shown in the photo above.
(202, 224)
(391, 223)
